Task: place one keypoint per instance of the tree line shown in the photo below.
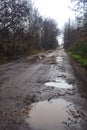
(22, 29)
(77, 32)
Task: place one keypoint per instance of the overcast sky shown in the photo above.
(56, 9)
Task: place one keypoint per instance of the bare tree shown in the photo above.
(50, 33)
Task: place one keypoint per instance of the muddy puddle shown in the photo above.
(61, 84)
(54, 115)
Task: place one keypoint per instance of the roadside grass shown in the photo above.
(33, 52)
(5, 59)
(79, 52)
(81, 60)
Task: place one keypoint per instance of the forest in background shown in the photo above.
(23, 30)
(75, 35)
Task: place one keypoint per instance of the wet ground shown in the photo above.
(41, 92)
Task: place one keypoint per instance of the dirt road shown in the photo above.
(41, 92)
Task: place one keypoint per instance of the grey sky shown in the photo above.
(56, 9)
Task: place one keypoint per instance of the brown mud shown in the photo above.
(42, 92)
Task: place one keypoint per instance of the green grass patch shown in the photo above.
(81, 60)
(79, 52)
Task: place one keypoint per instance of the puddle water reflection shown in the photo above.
(59, 59)
(53, 115)
(59, 84)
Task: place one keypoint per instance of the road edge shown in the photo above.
(80, 71)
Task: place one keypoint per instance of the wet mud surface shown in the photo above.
(42, 92)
